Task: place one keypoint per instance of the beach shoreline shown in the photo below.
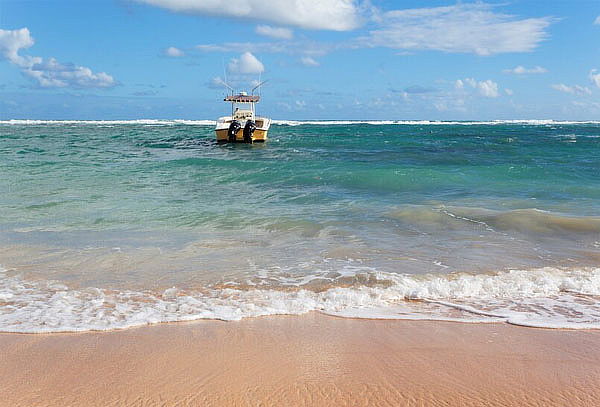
(312, 359)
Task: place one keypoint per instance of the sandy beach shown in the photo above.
(309, 360)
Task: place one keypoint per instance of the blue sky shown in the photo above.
(323, 59)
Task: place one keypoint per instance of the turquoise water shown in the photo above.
(157, 208)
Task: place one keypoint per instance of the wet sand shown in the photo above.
(309, 360)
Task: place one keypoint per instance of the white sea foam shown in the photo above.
(165, 122)
(548, 297)
(146, 122)
(432, 122)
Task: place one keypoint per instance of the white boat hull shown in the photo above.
(260, 134)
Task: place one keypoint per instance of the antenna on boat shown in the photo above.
(258, 86)
(260, 83)
(227, 86)
(224, 82)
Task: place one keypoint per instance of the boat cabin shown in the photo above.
(247, 110)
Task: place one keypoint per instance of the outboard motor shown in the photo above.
(233, 129)
(249, 131)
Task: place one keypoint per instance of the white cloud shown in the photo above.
(216, 83)
(308, 61)
(12, 41)
(597, 20)
(52, 73)
(447, 103)
(337, 15)
(487, 88)
(48, 73)
(246, 64)
(595, 77)
(509, 92)
(468, 28)
(274, 32)
(281, 47)
(262, 47)
(174, 52)
(418, 90)
(521, 70)
(574, 90)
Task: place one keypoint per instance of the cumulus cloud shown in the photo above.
(308, 61)
(466, 28)
(12, 41)
(597, 20)
(245, 64)
(336, 15)
(595, 77)
(521, 70)
(274, 32)
(574, 90)
(48, 73)
(52, 73)
(174, 52)
(487, 88)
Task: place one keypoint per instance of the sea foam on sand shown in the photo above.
(547, 297)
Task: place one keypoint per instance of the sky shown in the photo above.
(322, 59)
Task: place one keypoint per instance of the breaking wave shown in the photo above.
(547, 297)
(171, 122)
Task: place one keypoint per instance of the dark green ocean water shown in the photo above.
(157, 208)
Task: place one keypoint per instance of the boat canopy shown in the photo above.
(242, 98)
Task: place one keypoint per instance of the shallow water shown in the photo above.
(107, 225)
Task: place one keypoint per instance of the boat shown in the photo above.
(243, 126)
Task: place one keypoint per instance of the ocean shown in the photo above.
(114, 224)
